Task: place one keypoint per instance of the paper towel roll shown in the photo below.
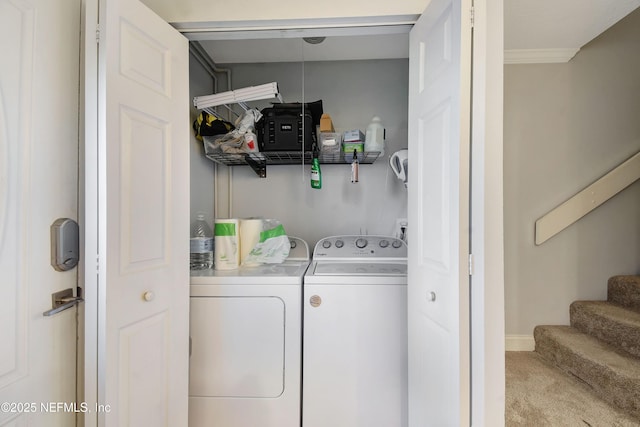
(226, 244)
(249, 237)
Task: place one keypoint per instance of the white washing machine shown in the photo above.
(245, 328)
(355, 333)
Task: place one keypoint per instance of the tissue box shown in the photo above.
(349, 147)
(353, 136)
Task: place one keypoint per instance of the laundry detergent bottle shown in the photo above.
(374, 138)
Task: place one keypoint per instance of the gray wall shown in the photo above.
(352, 92)
(566, 125)
(202, 169)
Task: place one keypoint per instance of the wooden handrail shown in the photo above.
(588, 199)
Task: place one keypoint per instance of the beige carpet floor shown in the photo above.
(537, 395)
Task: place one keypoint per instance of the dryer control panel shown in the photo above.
(360, 246)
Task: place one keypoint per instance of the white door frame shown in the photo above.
(89, 204)
(487, 225)
(487, 294)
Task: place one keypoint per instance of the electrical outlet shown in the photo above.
(400, 231)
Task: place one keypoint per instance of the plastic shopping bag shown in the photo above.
(273, 246)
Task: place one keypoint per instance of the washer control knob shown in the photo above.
(361, 243)
(384, 243)
(326, 244)
(396, 244)
(339, 243)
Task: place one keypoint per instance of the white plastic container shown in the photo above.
(374, 138)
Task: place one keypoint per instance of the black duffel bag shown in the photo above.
(285, 127)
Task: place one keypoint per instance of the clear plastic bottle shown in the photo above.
(374, 138)
(201, 244)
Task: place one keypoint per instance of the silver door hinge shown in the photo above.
(98, 35)
(472, 16)
(470, 264)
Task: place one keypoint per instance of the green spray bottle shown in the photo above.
(316, 174)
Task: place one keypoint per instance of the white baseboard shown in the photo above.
(519, 343)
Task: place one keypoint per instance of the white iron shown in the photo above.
(399, 162)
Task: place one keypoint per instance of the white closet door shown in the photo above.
(142, 218)
(439, 128)
(39, 41)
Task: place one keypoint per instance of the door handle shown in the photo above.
(62, 300)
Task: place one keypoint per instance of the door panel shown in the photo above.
(145, 140)
(225, 342)
(142, 218)
(354, 358)
(435, 225)
(38, 184)
(439, 116)
(15, 103)
(144, 401)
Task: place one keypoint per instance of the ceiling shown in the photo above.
(553, 24)
(540, 25)
(333, 48)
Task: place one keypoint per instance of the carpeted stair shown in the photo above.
(602, 345)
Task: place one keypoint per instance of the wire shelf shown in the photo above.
(260, 160)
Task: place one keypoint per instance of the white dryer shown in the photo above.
(245, 328)
(355, 333)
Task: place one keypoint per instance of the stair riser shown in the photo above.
(622, 336)
(624, 291)
(613, 388)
